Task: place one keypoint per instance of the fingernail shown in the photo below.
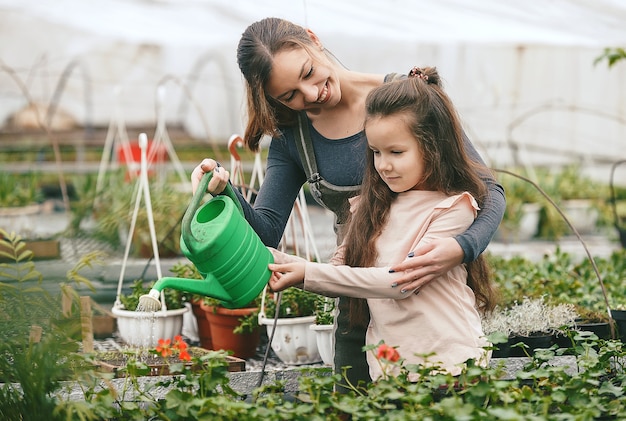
(403, 291)
(395, 284)
(392, 271)
(411, 254)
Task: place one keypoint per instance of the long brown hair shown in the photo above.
(255, 55)
(447, 168)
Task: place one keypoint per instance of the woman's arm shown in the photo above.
(282, 182)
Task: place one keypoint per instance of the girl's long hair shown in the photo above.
(437, 127)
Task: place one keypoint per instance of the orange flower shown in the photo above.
(184, 355)
(164, 347)
(180, 344)
(386, 352)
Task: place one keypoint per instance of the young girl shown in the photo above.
(419, 186)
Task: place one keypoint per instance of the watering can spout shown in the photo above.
(209, 287)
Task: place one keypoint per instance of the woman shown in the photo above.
(410, 197)
(314, 109)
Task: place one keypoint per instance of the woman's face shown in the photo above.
(303, 81)
(397, 155)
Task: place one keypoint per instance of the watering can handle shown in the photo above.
(197, 198)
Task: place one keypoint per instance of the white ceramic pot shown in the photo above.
(581, 214)
(325, 337)
(143, 329)
(294, 342)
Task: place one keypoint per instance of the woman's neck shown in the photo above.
(346, 118)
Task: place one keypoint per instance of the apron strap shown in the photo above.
(305, 150)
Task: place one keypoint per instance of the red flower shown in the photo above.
(386, 352)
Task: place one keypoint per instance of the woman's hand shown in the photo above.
(429, 262)
(286, 275)
(218, 182)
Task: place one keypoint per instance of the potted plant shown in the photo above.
(523, 206)
(323, 327)
(20, 209)
(579, 197)
(293, 341)
(532, 321)
(142, 329)
(233, 329)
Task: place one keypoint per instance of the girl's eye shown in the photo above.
(396, 152)
(309, 73)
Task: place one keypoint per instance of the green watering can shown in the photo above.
(222, 245)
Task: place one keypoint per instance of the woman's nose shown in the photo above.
(310, 93)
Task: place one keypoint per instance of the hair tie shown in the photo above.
(417, 72)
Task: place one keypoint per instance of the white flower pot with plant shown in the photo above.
(292, 341)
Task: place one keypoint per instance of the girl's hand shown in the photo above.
(218, 182)
(429, 262)
(286, 275)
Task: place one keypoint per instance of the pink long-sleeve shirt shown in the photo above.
(441, 319)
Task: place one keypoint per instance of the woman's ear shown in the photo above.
(315, 39)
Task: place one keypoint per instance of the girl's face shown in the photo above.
(303, 81)
(397, 155)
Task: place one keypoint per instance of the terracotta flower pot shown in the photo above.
(223, 321)
(204, 329)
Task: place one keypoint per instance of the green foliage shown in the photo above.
(325, 309)
(611, 56)
(38, 346)
(19, 189)
(567, 183)
(594, 389)
(561, 279)
(173, 298)
(295, 302)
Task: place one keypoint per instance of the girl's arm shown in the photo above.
(358, 282)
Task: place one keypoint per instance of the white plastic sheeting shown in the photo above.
(520, 72)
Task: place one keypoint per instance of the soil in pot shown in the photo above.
(116, 361)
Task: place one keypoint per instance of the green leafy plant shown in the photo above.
(38, 349)
(19, 189)
(295, 302)
(173, 298)
(325, 309)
